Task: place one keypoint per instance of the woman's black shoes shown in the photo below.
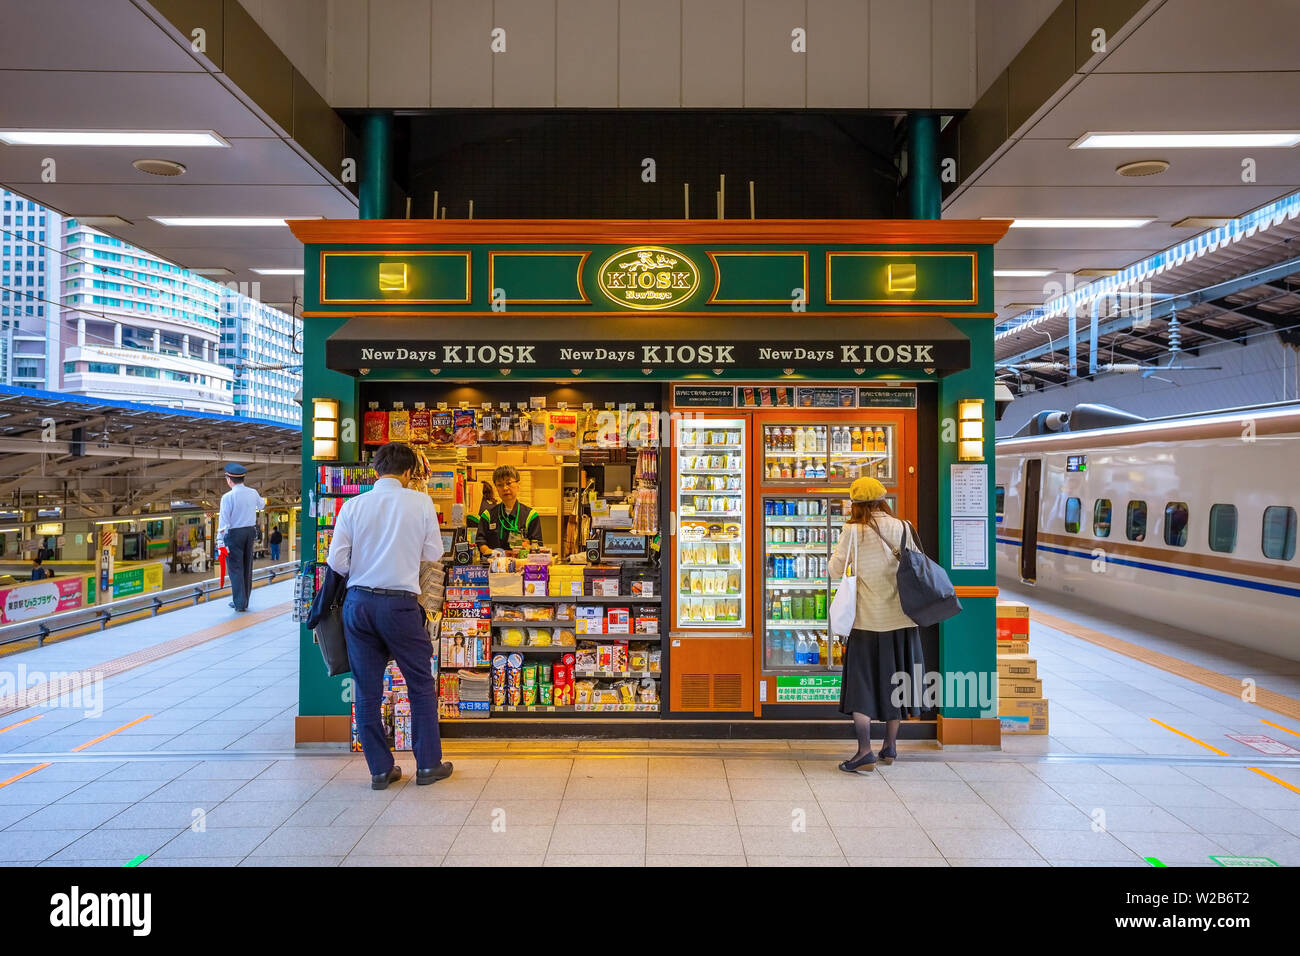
(853, 766)
(887, 755)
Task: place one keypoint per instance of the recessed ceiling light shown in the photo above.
(1142, 167)
(1022, 273)
(213, 271)
(99, 221)
(1200, 222)
(110, 137)
(279, 272)
(159, 167)
(1078, 223)
(1260, 139)
(225, 220)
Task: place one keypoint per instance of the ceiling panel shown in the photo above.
(89, 36)
(1170, 203)
(1189, 35)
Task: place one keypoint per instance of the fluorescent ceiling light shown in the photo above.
(1021, 273)
(110, 137)
(1078, 223)
(212, 271)
(225, 220)
(279, 272)
(99, 221)
(1210, 140)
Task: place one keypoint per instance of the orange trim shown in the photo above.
(1280, 727)
(1221, 753)
(1275, 779)
(110, 733)
(976, 590)
(811, 231)
(5, 783)
(21, 722)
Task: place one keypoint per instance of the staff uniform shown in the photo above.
(496, 525)
(380, 538)
(237, 530)
(884, 641)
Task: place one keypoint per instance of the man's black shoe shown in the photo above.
(433, 774)
(380, 781)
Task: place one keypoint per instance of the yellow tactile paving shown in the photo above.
(42, 692)
(1268, 699)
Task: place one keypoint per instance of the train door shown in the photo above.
(1029, 522)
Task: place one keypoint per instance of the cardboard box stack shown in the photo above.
(1022, 709)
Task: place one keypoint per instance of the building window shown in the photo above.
(1136, 528)
(1223, 528)
(69, 368)
(141, 372)
(104, 368)
(1279, 532)
(1073, 515)
(1176, 524)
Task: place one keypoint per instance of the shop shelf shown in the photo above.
(795, 625)
(707, 471)
(577, 599)
(710, 594)
(712, 514)
(606, 638)
(815, 583)
(710, 567)
(498, 622)
(644, 708)
(861, 455)
(775, 547)
(533, 708)
(617, 674)
(795, 454)
(710, 447)
(533, 648)
(794, 520)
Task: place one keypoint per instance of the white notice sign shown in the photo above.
(970, 491)
(970, 544)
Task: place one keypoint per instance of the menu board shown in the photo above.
(704, 396)
(766, 396)
(824, 397)
(887, 398)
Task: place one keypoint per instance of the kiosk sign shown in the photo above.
(648, 277)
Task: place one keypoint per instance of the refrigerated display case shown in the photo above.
(711, 539)
(807, 465)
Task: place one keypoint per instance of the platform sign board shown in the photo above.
(1265, 745)
(41, 598)
(814, 688)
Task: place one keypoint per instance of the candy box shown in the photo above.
(619, 656)
(589, 620)
(617, 621)
(604, 657)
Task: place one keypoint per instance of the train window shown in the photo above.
(1176, 524)
(1137, 521)
(1101, 518)
(999, 500)
(1223, 528)
(1073, 515)
(1279, 532)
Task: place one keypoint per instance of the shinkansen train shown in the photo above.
(1187, 521)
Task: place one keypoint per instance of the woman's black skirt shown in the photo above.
(883, 674)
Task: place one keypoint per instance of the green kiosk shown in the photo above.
(686, 404)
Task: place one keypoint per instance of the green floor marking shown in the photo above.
(136, 861)
(1153, 861)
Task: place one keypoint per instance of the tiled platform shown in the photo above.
(210, 777)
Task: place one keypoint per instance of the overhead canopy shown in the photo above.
(667, 343)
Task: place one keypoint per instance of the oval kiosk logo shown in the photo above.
(649, 277)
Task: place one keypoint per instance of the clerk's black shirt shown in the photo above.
(496, 523)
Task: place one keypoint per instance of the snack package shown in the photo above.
(421, 422)
(564, 637)
(512, 636)
(638, 657)
(564, 612)
(464, 427)
(648, 692)
(536, 612)
(617, 621)
(626, 691)
(654, 655)
(619, 657)
(440, 428)
(585, 657)
(561, 431)
(584, 691)
(512, 612)
(399, 426)
(605, 657)
(539, 637)
(376, 428)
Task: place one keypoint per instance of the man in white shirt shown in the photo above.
(380, 538)
(237, 529)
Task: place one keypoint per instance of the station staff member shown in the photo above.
(237, 530)
(380, 538)
(510, 524)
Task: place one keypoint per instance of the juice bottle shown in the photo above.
(837, 653)
(855, 439)
(879, 444)
(819, 606)
(776, 606)
(821, 649)
(798, 441)
(787, 606)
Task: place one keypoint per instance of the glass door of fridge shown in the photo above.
(794, 453)
(860, 450)
(710, 506)
(796, 597)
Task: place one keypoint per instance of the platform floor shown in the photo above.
(192, 762)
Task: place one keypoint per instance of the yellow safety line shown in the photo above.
(21, 722)
(1267, 699)
(1221, 753)
(111, 733)
(5, 783)
(1269, 722)
(1275, 779)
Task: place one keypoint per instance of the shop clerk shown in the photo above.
(510, 524)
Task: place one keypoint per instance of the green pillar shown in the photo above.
(376, 164)
(923, 195)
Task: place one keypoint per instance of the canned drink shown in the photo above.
(767, 506)
(801, 535)
(801, 507)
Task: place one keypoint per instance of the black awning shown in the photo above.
(677, 343)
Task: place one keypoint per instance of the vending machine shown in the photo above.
(806, 461)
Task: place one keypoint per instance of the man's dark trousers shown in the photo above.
(239, 564)
(380, 628)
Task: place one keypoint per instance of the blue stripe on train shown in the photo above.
(1201, 575)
